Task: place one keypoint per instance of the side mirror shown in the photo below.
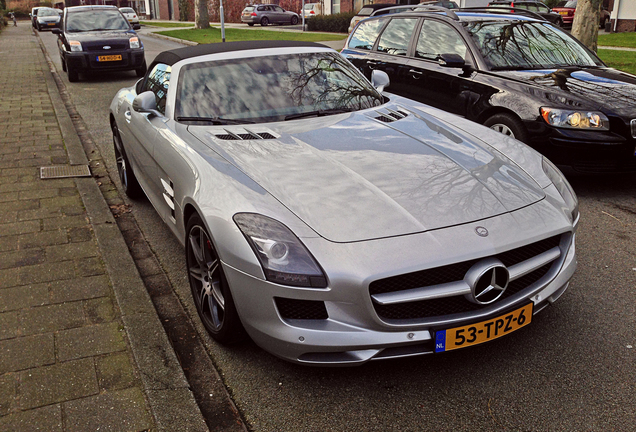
(451, 60)
(56, 32)
(136, 26)
(380, 80)
(138, 85)
(146, 103)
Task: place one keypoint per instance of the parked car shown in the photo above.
(567, 12)
(334, 224)
(366, 12)
(131, 16)
(520, 76)
(47, 18)
(33, 15)
(533, 6)
(268, 14)
(384, 9)
(98, 38)
(310, 10)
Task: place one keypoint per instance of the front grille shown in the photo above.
(434, 308)
(113, 47)
(301, 309)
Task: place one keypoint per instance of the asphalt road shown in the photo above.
(573, 368)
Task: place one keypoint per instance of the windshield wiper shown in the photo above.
(319, 113)
(215, 120)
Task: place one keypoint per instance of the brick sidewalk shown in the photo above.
(68, 359)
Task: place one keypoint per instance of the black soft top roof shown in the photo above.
(173, 56)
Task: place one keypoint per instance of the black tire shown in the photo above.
(63, 64)
(141, 71)
(264, 21)
(509, 125)
(250, 24)
(71, 72)
(210, 289)
(126, 175)
(38, 27)
(294, 20)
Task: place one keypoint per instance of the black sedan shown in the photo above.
(98, 38)
(520, 76)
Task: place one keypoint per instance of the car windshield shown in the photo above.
(127, 10)
(92, 20)
(248, 9)
(528, 45)
(272, 88)
(571, 4)
(47, 12)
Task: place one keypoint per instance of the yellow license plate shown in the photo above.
(563, 13)
(473, 334)
(109, 58)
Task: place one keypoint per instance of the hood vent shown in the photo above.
(242, 136)
(390, 115)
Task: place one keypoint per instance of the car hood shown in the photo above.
(354, 177)
(604, 89)
(101, 37)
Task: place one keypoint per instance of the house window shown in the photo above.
(335, 6)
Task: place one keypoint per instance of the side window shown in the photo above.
(365, 35)
(396, 36)
(262, 8)
(278, 9)
(543, 8)
(438, 38)
(158, 82)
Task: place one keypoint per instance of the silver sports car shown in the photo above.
(331, 222)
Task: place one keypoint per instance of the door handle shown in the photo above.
(372, 64)
(128, 116)
(416, 74)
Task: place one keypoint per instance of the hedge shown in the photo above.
(338, 23)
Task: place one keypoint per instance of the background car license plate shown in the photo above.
(109, 58)
(473, 334)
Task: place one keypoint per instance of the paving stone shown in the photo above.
(62, 221)
(8, 243)
(25, 296)
(90, 341)
(80, 234)
(21, 258)
(26, 352)
(19, 227)
(71, 251)
(45, 419)
(39, 213)
(45, 319)
(100, 310)
(8, 392)
(89, 267)
(79, 289)
(61, 202)
(9, 277)
(115, 372)
(47, 272)
(9, 325)
(58, 383)
(38, 193)
(122, 410)
(8, 216)
(43, 239)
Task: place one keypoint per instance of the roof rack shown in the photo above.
(503, 10)
(419, 8)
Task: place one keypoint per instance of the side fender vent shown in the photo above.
(391, 115)
(243, 135)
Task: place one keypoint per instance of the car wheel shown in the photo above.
(210, 289)
(126, 176)
(63, 64)
(294, 20)
(509, 125)
(142, 70)
(71, 72)
(250, 24)
(264, 21)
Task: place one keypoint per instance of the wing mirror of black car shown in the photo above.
(380, 80)
(136, 26)
(56, 32)
(451, 60)
(146, 103)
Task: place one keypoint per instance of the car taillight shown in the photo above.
(312, 13)
(253, 14)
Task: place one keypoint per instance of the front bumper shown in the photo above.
(353, 332)
(48, 24)
(86, 61)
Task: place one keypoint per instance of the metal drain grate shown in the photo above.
(64, 171)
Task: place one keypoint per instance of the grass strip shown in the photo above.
(213, 34)
(166, 24)
(625, 39)
(621, 60)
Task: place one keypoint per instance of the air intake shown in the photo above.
(390, 116)
(243, 135)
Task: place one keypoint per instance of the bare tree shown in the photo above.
(201, 17)
(585, 25)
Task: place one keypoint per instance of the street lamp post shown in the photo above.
(222, 21)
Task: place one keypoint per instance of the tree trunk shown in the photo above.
(201, 17)
(585, 25)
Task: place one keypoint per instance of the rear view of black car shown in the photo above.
(98, 38)
(518, 75)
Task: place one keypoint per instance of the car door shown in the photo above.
(280, 15)
(360, 48)
(447, 88)
(144, 129)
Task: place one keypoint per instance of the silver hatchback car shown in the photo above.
(268, 14)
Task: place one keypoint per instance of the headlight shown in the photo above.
(284, 258)
(575, 119)
(134, 42)
(75, 45)
(564, 188)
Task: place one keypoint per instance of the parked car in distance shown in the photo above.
(333, 224)
(384, 9)
(366, 11)
(567, 12)
(131, 16)
(33, 15)
(533, 6)
(98, 38)
(311, 10)
(47, 18)
(268, 14)
(520, 76)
